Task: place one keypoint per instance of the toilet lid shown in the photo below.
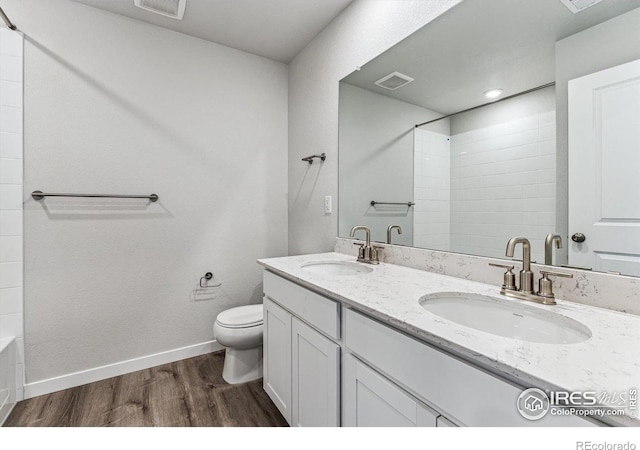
(241, 317)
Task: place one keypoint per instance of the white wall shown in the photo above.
(611, 43)
(11, 233)
(432, 187)
(361, 32)
(118, 106)
(376, 162)
(503, 175)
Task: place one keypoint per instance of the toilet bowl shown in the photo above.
(240, 331)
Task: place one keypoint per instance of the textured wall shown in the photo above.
(363, 30)
(119, 106)
(376, 162)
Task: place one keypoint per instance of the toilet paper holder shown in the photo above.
(207, 276)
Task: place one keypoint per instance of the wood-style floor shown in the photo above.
(186, 393)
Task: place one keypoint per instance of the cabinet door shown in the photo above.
(370, 400)
(277, 356)
(315, 378)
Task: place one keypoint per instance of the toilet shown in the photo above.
(240, 331)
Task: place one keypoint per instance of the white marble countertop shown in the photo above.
(608, 362)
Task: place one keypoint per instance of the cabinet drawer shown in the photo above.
(319, 311)
(455, 388)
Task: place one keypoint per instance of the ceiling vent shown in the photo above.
(167, 8)
(394, 81)
(575, 6)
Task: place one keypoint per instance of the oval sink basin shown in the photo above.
(336, 268)
(506, 318)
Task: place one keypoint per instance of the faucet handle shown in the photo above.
(546, 273)
(503, 266)
(361, 248)
(509, 282)
(545, 285)
(376, 250)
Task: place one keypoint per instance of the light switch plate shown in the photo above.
(327, 205)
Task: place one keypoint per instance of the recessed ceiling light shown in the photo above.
(493, 93)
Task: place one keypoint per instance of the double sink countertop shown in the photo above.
(606, 363)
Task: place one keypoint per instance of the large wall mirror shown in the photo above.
(498, 119)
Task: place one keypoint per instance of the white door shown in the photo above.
(315, 377)
(370, 400)
(604, 170)
(277, 356)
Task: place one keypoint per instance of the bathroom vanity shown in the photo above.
(348, 344)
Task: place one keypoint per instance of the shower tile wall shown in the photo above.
(11, 248)
(431, 164)
(503, 184)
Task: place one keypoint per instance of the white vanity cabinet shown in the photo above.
(301, 361)
(374, 375)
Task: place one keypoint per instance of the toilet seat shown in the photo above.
(240, 317)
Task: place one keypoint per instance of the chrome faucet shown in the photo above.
(526, 275)
(366, 253)
(548, 247)
(390, 229)
(525, 290)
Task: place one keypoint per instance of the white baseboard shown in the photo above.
(116, 369)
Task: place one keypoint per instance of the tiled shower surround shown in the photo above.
(503, 184)
(11, 235)
(431, 186)
(475, 190)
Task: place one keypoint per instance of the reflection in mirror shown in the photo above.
(461, 168)
(490, 177)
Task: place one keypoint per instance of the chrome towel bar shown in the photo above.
(39, 195)
(374, 203)
(7, 21)
(309, 159)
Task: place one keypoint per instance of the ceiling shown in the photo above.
(481, 45)
(275, 29)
